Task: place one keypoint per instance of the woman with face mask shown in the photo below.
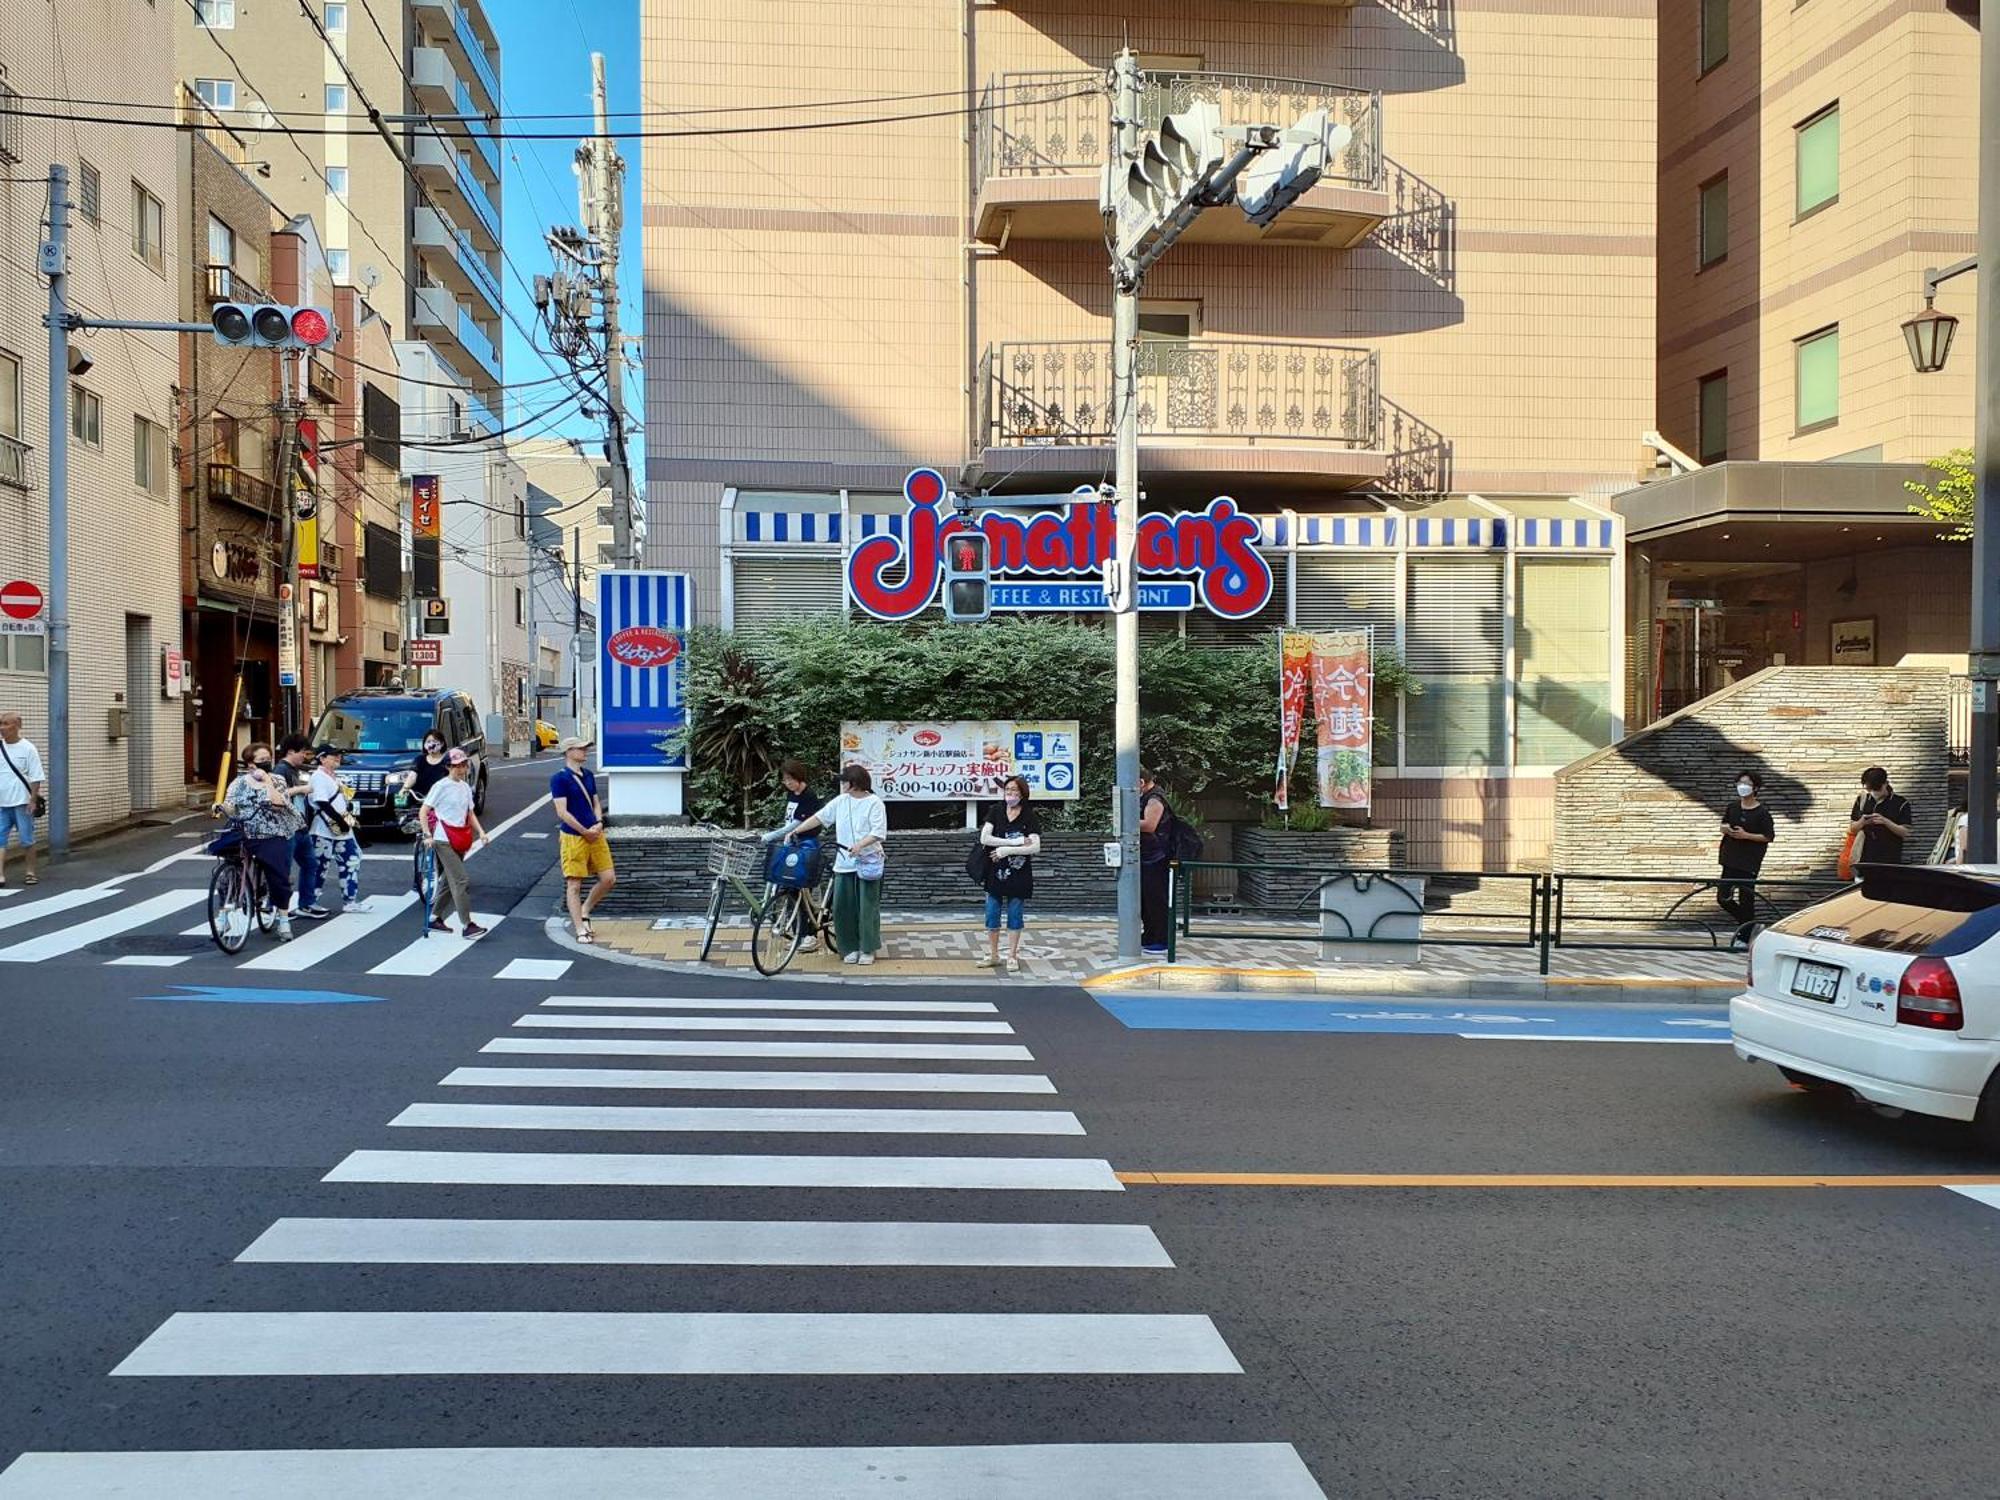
(260, 802)
(1747, 831)
(428, 769)
(1012, 837)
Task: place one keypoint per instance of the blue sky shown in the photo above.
(545, 48)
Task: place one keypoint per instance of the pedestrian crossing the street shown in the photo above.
(814, 1130)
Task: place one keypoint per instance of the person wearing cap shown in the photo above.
(335, 846)
(580, 821)
(448, 810)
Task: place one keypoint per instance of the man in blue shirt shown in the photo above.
(580, 818)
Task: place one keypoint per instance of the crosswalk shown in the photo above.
(385, 938)
(416, 1214)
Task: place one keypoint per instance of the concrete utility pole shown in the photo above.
(55, 266)
(601, 189)
(1980, 801)
(1124, 599)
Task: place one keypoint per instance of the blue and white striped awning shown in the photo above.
(787, 526)
(1545, 533)
(1479, 532)
(1346, 531)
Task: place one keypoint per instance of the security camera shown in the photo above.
(79, 362)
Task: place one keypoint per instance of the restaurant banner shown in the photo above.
(964, 760)
(1339, 664)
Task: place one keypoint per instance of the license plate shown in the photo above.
(1816, 981)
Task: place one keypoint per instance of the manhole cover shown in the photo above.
(155, 946)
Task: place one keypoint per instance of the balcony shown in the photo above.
(224, 284)
(434, 80)
(449, 25)
(440, 320)
(1043, 139)
(227, 482)
(457, 263)
(322, 380)
(1308, 414)
(446, 176)
(17, 469)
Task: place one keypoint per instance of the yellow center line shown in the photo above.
(1550, 1180)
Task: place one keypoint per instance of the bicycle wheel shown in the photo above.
(260, 897)
(714, 917)
(775, 933)
(228, 907)
(424, 881)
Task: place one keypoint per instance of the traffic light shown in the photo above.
(967, 576)
(1280, 177)
(1158, 194)
(267, 325)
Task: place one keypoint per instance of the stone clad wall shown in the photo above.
(1651, 804)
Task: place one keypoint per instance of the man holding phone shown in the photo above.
(1882, 818)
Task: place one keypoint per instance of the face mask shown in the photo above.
(433, 749)
(261, 765)
(1744, 789)
(1013, 799)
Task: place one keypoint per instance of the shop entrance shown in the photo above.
(1716, 623)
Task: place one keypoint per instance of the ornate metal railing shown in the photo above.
(1033, 124)
(1419, 467)
(15, 467)
(1422, 229)
(1057, 393)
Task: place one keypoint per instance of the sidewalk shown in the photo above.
(923, 947)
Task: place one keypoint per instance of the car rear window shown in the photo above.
(1902, 911)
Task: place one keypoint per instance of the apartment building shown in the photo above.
(1423, 380)
(127, 253)
(569, 534)
(1814, 160)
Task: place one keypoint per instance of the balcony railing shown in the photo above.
(481, 136)
(1053, 394)
(16, 463)
(1031, 124)
(322, 380)
(475, 53)
(477, 344)
(228, 482)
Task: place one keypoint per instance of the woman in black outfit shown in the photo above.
(1013, 837)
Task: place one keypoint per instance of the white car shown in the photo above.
(1890, 990)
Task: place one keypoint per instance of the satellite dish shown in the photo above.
(371, 277)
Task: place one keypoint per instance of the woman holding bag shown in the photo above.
(860, 826)
(448, 810)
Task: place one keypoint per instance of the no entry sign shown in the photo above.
(20, 600)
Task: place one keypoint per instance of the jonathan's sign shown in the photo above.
(1207, 556)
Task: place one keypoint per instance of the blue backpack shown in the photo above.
(794, 866)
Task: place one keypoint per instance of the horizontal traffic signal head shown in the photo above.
(269, 325)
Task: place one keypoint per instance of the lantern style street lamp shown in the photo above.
(1929, 336)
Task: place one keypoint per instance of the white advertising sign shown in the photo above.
(963, 760)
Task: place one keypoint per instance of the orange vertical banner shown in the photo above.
(1343, 682)
(1294, 670)
(425, 520)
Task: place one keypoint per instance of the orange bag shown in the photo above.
(1845, 865)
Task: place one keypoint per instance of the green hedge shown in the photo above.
(1208, 715)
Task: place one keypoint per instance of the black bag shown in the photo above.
(1185, 847)
(975, 862)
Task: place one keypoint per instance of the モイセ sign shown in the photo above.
(1206, 557)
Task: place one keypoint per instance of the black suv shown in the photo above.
(382, 730)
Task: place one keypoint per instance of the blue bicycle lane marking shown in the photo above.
(229, 995)
(1471, 1021)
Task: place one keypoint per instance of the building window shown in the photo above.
(90, 192)
(336, 98)
(1817, 155)
(1714, 33)
(1817, 379)
(336, 18)
(86, 418)
(1456, 644)
(23, 653)
(223, 439)
(520, 607)
(1714, 213)
(216, 93)
(149, 238)
(1562, 642)
(216, 15)
(150, 460)
(10, 395)
(336, 182)
(336, 264)
(1714, 401)
(11, 144)
(221, 243)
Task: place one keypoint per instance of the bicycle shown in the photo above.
(423, 867)
(732, 862)
(777, 930)
(236, 894)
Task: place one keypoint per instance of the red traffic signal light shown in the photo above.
(311, 327)
(270, 326)
(966, 576)
(968, 554)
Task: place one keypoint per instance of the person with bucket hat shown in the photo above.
(580, 822)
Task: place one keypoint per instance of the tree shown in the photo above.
(1949, 500)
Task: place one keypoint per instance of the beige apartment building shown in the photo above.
(1424, 379)
(127, 252)
(1814, 161)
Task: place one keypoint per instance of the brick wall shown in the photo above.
(1651, 804)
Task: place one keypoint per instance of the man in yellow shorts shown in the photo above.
(585, 850)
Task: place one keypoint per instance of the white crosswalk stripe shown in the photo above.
(316, 944)
(541, 1337)
(428, 954)
(113, 924)
(54, 906)
(535, 968)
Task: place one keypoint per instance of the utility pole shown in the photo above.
(600, 179)
(1124, 595)
(1984, 666)
(576, 628)
(55, 266)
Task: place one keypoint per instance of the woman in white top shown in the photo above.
(448, 809)
(860, 824)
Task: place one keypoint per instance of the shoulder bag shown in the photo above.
(41, 803)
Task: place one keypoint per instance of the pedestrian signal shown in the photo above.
(967, 577)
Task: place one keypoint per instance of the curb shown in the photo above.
(1223, 981)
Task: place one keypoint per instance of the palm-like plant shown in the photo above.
(731, 733)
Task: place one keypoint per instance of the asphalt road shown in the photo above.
(1419, 1339)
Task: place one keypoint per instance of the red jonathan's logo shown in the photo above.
(644, 646)
(927, 737)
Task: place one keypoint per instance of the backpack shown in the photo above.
(794, 866)
(975, 862)
(1184, 844)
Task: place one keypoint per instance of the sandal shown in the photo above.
(586, 936)
(31, 878)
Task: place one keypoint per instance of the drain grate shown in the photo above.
(163, 946)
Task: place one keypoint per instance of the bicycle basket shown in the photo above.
(225, 843)
(738, 859)
(794, 866)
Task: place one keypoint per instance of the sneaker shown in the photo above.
(283, 931)
(474, 930)
(867, 958)
(314, 913)
(438, 925)
(1154, 950)
(988, 962)
(1013, 966)
(810, 945)
(850, 958)
(360, 903)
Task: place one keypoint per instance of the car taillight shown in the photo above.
(1928, 996)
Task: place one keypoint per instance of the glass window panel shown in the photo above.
(1715, 221)
(1562, 641)
(91, 190)
(10, 396)
(336, 98)
(1818, 161)
(1714, 32)
(1456, 652)
(336, 18)
(1714, 399)
(1818, 379)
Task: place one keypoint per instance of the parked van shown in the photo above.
(382, 730)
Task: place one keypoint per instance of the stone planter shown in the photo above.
(1322, 853)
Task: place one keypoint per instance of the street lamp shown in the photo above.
(1929, 336)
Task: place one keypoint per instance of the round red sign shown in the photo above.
(20, 600)
(644, 646)
(927, 738)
